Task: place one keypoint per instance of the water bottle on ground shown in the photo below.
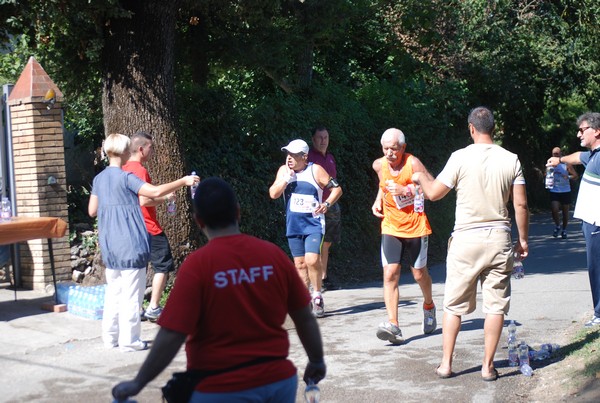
(545, 351)
(513, 355)
(549, 177)
(6, 212)
(524, 359)
(419, 200)
(518, 269)
(312, 394)
(512, 332)
(171, 206)
(193, 187)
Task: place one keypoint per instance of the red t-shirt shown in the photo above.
(149, 213)
(231, 298)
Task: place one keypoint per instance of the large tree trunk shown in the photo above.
(139, 94)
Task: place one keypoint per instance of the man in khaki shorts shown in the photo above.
(485, 177)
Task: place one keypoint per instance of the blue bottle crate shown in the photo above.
(87, 302)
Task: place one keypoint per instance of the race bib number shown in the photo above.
(300, 203)
(404, 201)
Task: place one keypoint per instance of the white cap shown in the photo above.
(296, 147)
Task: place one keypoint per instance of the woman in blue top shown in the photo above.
(124, 242)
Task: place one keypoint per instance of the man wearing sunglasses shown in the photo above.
(586, 208)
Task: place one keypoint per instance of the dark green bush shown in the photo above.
(239, 136)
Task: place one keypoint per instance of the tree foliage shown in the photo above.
(251, 75)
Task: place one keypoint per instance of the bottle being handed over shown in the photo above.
(419, 201)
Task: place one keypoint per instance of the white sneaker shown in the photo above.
(152, 314)
(318, 307)
(135, 346)
(390, 332)
(429, 321)
(594, 322)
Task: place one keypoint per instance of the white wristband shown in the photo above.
(287, 178)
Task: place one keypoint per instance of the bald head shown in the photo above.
(394, 135)
(556, 152)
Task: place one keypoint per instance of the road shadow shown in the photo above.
(10, 310)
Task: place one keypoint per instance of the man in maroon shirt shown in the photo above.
(333, 218)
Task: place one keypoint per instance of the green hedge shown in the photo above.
(238, 136)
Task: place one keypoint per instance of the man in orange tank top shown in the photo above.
(402, 229)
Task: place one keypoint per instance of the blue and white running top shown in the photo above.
(586, 208)
(561, 179)
(301, 196)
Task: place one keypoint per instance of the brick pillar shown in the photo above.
(39, 164)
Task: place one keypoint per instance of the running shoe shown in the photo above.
(152, 314)
(135, 346)
(429, 320)
(555, 232)
(318, 307)
(390, 332)
(564, 234)
(594, 322)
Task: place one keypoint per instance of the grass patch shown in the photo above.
(585, 347)
(578, 367)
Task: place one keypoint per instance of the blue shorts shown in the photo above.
(300, 245)
(281, 391)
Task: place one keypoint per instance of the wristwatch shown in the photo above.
(327, 204)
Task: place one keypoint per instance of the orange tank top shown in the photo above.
(400, 219)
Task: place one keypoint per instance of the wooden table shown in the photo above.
(19, 229)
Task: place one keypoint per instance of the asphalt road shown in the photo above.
(59, 357)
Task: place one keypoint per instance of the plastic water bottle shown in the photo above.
(193, 187)
(512, 332)
(524, 359)
(419, 201)
(549, 177)
(513, 355)
(171, 206)
(545, 351)
(312, 394)
(6, 212)
(518, 268)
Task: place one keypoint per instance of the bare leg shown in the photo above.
(313, 263)
(391, 295)
(450, 329)
(555, 206)
(159, 282)
(492, 329)
(565, 215)
(325, 258)
(423, 278)
(302, 269)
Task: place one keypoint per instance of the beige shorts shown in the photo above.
(479, 255)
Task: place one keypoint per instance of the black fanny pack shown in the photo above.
(180, 387)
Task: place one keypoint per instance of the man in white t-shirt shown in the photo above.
(485, 176)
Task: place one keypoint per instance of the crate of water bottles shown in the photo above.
(87, 302)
